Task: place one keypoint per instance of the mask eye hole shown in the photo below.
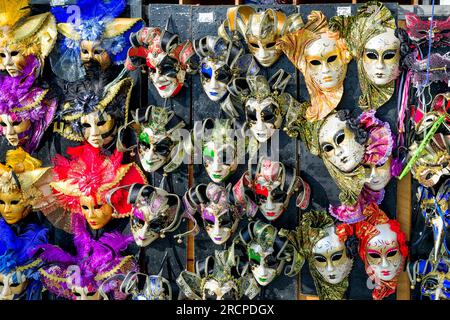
(206, 71)
(270, 45)
(337, 256)
(332, 58)
(16, 123)
(101, 123)
(320, 258)
(2, 55)
(422, 32)
(251, 115)
(2, 202)
(371, 56)
(98, 51)
(15, 202)
(84, 51)
(254, 45)
(374, 255)
(327, 148)
(137, 222)
(391, 253)
(2, 124)
(14, 53)
(84, 207)
(340, 137)
(90, 294)
(389, 55)
(86, 125)
(315, 62)
(77, 294)
(14, 285)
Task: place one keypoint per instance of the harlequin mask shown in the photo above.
(159, 140)
(97, 37)
(370, 37)
(217, 210)
(324, 246)
(436, 284)
(23, 185)
(94, 110)
(24, 37)
(382, 248)
(220, 63)
(268, 252)
(260, 30)
(167, 60)
(25, 110)
(323, 59)
(79, 276)
(82, 183)
(419, 30)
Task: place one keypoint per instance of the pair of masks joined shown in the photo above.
(217, 141)
(328, 249)
(19, 276)
(157, 135)
(23, 186)
(24, 37)
(433, 165)
(260, 30)
(382, 248)
(270, 189)
(81, 184)
(215, 206)
(434, 279)
(419, 30)
(79, 276)
(155, 212)
(435, 210)
(167, 60)
(93, 110)
(218, 278)
(26, 110)
(91, 34)
(322, 57)
(268, 252)
(371, 38)
(220, 63)
(350, 147)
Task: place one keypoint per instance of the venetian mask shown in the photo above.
(419, 30)
(378, 176)
(96, 214)
(12, 60)
(12, 285)
(98, 128)
(93, 51)
(155, 287)
(263, 118)
(13, 208)
(84, 293)
(338, 144)
(436, 285)
(15, 131)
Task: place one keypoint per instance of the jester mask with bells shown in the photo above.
(435, 210)
(382, 248)
(19, 276)
(23, 186)
(93, 111)
(220, 63)
(24, 38)
(371, 39)
(269, 189)
(82, 182)
(260, 30)
(218, 143)
(268, 251)
(322, 57)
(79, 276)
(155, 212)
(324, 245)
(158, 138)
(167, 59)
(218, 278)
(434, 161)
(345, 144)
(434, 279)
(93, 34)
(217, 210)
(26, 110)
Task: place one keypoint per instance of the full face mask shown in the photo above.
(220, 63)
(23, 185)
(98, 37)
(217, 210)
(260, 30)
(81, 184)
(322, 58)
(324, 246)
(25, 110)
(93, 111)
(159, 141)
(382, 248)
(371, 39)
(79, 276)
(166, 58)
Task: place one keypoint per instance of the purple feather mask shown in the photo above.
(26, 111)
(78, 277)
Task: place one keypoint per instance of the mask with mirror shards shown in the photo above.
(260, 30)
(166, 59)
(218, 278)
(322, 58)
(98, 38)
(382, 248)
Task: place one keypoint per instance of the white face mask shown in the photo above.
(214, 79)
(142, 233)
(378, 177)
(381, 58)
(263, 265)
(263, 118)
(324, 63)
(219, 161)
(11, 129)
(166, 78)
(339, 146)
(271, 206)
(82, 293)
(154, 151)
(331, 259)
(98, 128)
(219, 226)
(12, 60)
(10, 289)
(383, 253)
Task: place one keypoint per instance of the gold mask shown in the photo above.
(93, 51)
(12, 207)
(96, 214)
